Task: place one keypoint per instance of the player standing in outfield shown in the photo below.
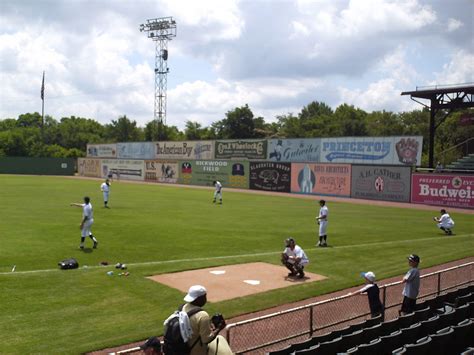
(87, 221)
(105, 188)
(445, 222)
(322, 220)
(294, 258)
(218, 192)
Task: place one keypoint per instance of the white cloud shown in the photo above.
(276, 56)
(460, 69)
(454, 24)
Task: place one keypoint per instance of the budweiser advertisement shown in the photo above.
(443, 190)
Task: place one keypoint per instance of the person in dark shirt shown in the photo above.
(372, 291)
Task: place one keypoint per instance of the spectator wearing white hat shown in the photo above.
(373, 293)
(204, 331)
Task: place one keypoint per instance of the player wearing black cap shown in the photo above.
(294, 258)
(412, 285)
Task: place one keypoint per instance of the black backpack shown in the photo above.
(173, 343)
(68, 264)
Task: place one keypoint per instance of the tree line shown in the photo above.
(27, 135)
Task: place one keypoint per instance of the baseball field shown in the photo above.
(157, 230)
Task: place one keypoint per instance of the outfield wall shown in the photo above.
(371, 182)
(37, 166)
(395, 150)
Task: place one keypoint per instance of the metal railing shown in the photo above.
(276, 330)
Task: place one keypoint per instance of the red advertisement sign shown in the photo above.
(443, 190)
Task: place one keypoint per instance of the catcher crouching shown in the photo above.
(294, 258)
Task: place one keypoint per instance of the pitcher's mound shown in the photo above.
(233, 281)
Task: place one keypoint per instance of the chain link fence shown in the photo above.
(275, 331)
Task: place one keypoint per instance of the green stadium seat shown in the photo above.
(374, 347)
(391, 341)
(412, 333)
(390, 326)
(430, 326)
(349, 341)
(373, 321)
(406, 320)
(463, 335)
(369, 334)
(422, 314)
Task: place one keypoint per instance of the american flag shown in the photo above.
(42, 89)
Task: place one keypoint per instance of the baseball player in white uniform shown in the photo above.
(105, 188)
(87, 221)
(294, 258)
(445, 222)
(217, 192)
(322, 220)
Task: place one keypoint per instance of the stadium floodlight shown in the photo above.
(160, 30)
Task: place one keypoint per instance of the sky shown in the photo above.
(277, 56)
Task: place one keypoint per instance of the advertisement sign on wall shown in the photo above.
(88, 167)
(270, 176)
(123, 169)
(136, 150)
(242, 149)
(184, 150)
(321, 179)
(443, 190)
(161, 171)
(293, 150)
(387, 183)
(102, 150)
(204, 172)
(372, 150)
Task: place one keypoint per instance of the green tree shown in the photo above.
(351, 121)
(123, 130)
(158, 131)
(238, 124)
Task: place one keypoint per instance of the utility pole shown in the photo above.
(160, 30)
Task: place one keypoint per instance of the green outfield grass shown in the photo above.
(159, 229)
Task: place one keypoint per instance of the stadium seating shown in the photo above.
(373, 347)
(447, 318)
(371, 333)
(442, 339)
(423, 314)
(284, 351)
(411, 333)
(406, 320)
(329, 347)
(390, 326)
(433, 329)
(372, 321)
(430, 325)
(348, 341)
(422, 347)
(463, 335)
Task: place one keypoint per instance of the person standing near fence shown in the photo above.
(105, 188)
(445, 222)
(373, 294)
(322, 221)
(412, 285)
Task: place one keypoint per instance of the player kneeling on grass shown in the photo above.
(294, 258)
(445, 222)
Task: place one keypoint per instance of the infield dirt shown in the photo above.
(233, 281)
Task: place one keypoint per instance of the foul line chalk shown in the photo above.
(162, 262)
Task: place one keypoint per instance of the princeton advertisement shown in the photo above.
(443, 190)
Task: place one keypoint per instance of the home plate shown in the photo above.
(217, 272)
(252, 282)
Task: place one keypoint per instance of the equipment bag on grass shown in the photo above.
(70, 263)
(174, 342)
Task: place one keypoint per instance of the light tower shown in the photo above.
(160, 30)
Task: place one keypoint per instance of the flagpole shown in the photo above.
(42, 108)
